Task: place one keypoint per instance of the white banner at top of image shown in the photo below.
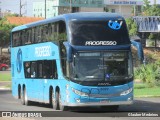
(123, 2)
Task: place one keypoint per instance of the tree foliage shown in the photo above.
(150, 10)
(5, 30)
(132, 27)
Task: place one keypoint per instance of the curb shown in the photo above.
(3, 88)
(4, 85)
(147, 96)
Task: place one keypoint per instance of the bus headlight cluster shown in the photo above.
(80, 93)
(126, 92)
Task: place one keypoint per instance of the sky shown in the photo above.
(14, 6)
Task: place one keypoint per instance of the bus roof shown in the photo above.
(73, 16)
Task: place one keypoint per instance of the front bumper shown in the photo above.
(98, 103)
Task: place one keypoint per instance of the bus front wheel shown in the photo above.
(62, 107)
(55, 102)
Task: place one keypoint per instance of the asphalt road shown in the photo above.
(150, 105)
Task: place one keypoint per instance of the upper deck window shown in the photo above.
(84, 31)
(50, 32)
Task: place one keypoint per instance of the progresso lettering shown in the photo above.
(43, 51)
(101, 43)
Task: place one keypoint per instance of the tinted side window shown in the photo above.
(24, 36)
(28, 36)
(33, 69)
(27, 69)
(40, 69)
(47, 32)
(46, 69)
(50, 69)
(16, 39)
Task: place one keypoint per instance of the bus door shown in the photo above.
(34, 86)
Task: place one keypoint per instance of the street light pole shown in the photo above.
(0, 11)
(45, 10)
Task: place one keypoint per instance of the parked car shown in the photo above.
(3, 66)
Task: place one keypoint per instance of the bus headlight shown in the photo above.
(80, 93)
(126, 92)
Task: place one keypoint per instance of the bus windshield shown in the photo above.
(102, 66)
(82, 31)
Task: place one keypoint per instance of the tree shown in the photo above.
(150, 10)
(5, 30)
(106, 9)
(132, 27)
(146, 5)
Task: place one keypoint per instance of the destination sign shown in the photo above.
(43, 51)
(101, 43)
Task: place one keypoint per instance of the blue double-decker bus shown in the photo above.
(76, 59)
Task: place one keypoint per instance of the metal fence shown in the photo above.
(147, 23)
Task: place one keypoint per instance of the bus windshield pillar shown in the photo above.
(69, 51)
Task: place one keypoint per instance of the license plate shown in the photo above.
(104, 101)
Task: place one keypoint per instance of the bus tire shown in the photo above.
(61, 107)
(55, 100)
(24, 99)
(19, 92)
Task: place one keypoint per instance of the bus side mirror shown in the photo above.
(139, 48)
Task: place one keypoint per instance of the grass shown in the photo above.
(141, 90)
(5, 76)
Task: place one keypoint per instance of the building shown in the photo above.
(56, 7)
(27, 8)
(50, 7)
(126, 8)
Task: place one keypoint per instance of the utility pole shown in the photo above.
(155, 2)
(0, 11)
(134, 10)
(20, 7)
(70, 6)
(45, 7)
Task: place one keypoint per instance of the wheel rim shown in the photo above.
(53, 101)
(25, 97)
(22, 97)
(60, 102)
